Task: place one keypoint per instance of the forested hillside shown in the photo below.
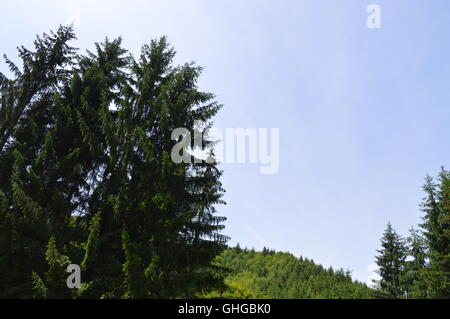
(270, 274)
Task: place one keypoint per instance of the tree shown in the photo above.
(436, 229)
(85, 143)
(391, 262)
(415, 264)
(39, 178)
(425, 266)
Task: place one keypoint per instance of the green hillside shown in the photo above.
(268, 274)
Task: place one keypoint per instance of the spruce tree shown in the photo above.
(415, 265)
(86, 173)
(436, 228)
(391, 262)
(38, 182)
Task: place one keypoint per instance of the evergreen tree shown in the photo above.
(391, 262)
(436, 229)
(85, 143)
(39, 178)
(415, 264)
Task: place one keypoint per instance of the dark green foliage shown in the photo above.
(416, 261)
(86, 174)
(391, 262)
(424, 267)
(281, 275)
(436, 230)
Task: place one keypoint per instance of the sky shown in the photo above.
(363, 114)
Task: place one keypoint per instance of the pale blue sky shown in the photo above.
(363, 114)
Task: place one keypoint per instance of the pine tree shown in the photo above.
(391, 262)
